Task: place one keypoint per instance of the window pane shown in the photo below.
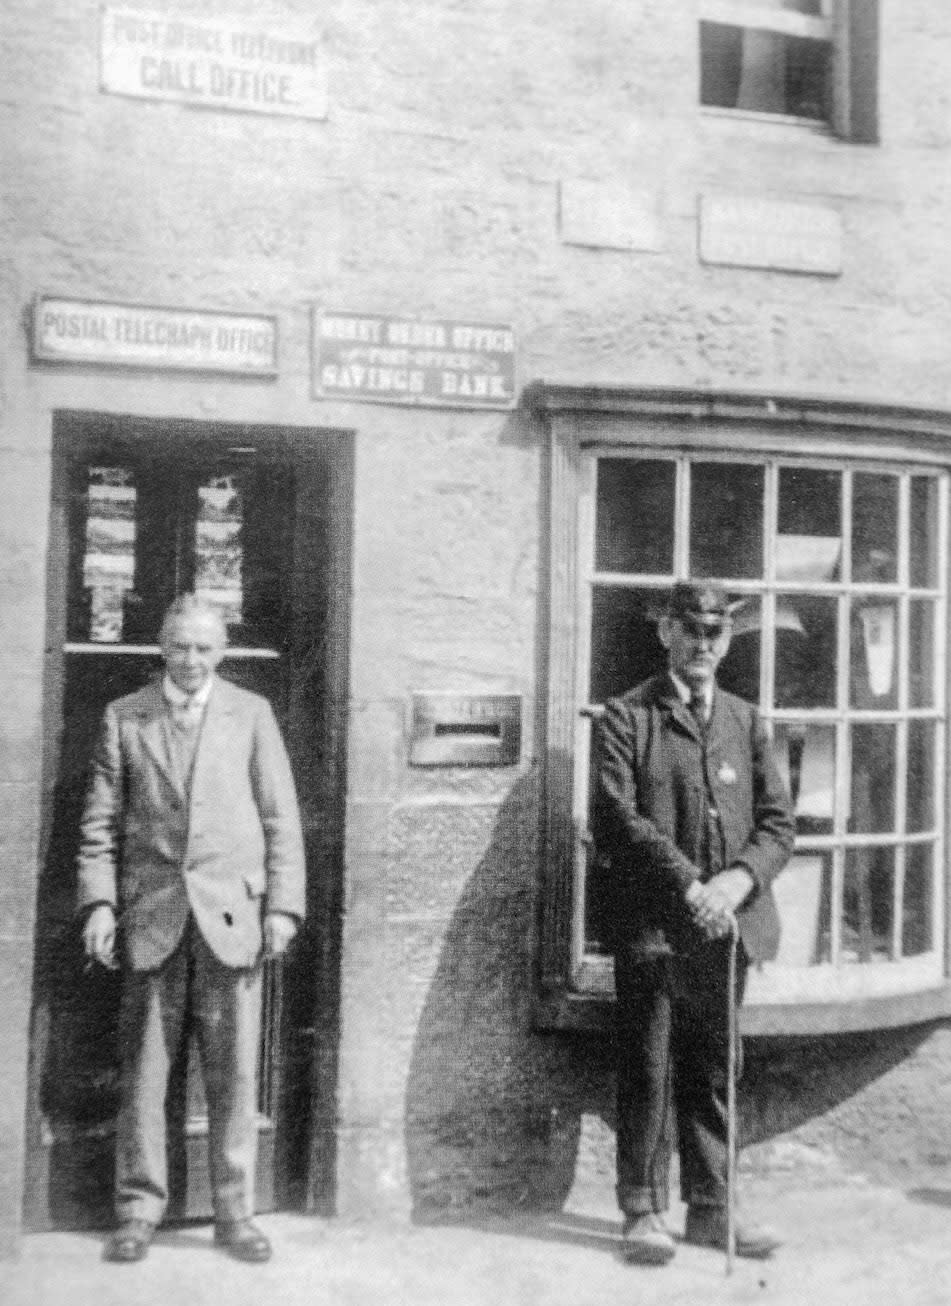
(924, 532)
(805, 753)
(917, 930)
(635, 516)
(764, 72)
(809, 543)
(624, 646)
(874, 527)
(921, 661)
(108, 564)
(803, 893)
(597, 901)
(873, 672)
(740, 669)
(868, 904)
(805, 651)
(726, 520)
(219, 552)
(872, 809)
(919, 778)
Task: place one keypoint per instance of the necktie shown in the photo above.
(698, 707)
(188, 713)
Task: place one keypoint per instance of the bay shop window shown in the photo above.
(830, 533)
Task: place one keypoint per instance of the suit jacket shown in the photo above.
(655, 783)
(225, 851)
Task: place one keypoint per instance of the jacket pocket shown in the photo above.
(255, 885)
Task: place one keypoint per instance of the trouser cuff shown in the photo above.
(137, 1209)
(641, 1201)
(705, 1201)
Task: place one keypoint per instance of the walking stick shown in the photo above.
(731, 1101)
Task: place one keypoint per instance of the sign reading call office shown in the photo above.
(395, 360)
(214, 62)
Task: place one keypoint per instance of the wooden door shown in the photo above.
(143, 511)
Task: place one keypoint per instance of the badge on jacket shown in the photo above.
(726, 775)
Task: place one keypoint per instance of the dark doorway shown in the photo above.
(259, 519)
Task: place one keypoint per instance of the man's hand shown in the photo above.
(99, 936)
(714, 904)
(708, 909)
(279, 929)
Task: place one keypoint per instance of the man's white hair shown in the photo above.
(192, 605)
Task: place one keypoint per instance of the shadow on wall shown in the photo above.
(493, 1110)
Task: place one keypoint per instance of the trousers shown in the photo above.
(672, 1049)
(158, 1008)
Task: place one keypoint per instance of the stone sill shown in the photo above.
(564, 1011)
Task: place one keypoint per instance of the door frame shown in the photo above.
(304, 1141)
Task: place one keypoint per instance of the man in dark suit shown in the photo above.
(694, 823)
(191, 866)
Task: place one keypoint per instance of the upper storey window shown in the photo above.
(768, 56)
(807, 61)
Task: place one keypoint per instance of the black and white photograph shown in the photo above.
(475, 780)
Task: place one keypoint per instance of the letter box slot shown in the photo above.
(465, 729)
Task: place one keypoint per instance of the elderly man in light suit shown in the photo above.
(191, 868)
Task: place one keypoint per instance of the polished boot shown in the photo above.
(707, 1227)
(243, 1240)
(130, 1242)
(645, 1240)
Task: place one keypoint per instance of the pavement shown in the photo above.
(848, 1242)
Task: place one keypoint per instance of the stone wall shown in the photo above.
(462, 144)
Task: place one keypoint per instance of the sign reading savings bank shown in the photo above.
(395, 360)
(216, 62)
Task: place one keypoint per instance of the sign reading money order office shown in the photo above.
(131, 335)
(396, 360)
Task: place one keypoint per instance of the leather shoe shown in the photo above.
(243, 1240)
(645, 1240)
(130, 1242)
(707, 1227)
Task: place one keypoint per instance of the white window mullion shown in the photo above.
(941, 768)
(768, 618)
(843, 769)
(901, 742)
(682, 520)
(580, 816)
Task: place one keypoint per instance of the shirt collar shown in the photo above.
(685, 693)
(178, 698)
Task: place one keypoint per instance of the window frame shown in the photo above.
(613, 420)
(850, 27)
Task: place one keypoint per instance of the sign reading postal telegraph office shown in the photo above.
(396, 360)
(135, 335)
(216, 62)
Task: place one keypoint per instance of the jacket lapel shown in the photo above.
(152, 736)
(669, 699)
(216, 732)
